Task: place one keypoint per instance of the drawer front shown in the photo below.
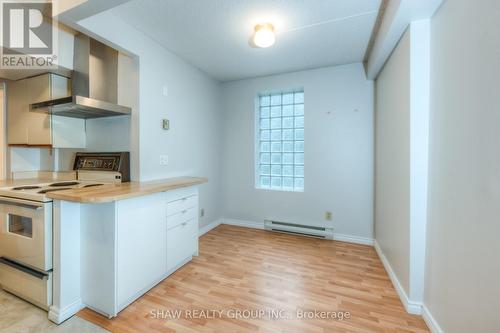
(180, 205)
(181, 217)
(180, 193)
(181, 243)
(35, 290)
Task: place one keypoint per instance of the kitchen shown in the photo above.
(56, 120)
(249, 166)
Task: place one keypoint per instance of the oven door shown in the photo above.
(26, 232)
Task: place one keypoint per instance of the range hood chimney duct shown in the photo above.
(94, 84)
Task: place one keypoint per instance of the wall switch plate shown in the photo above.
(164, 91)
(328, 216)
(165, 124)
(163, 159)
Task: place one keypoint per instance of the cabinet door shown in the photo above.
(39, 124)
(141, 246)
(17, 113)
(181, 243)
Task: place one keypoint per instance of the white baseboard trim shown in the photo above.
(58, 316)
(431, 321)
(352, 239)
(410, 306)
(243, 223)
(209, 227)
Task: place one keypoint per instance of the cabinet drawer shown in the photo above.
(181, 243)
(180, 205)
(36, 290)
(181, 217)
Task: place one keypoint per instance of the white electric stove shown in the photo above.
(38, 191)
(26, 224)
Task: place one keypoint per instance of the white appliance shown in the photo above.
(26, 225)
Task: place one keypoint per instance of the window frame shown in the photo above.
(257, 142)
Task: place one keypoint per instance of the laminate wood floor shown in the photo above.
(261, 281)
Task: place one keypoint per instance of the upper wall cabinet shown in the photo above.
(39, 129)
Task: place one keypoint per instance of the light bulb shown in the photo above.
(264, 35)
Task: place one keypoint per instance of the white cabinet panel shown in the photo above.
(141, 246)
(181, 243)
(98, 255)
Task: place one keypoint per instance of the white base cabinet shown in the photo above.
(130, 245)
(182, 224)
(178, 251)
(141, 246)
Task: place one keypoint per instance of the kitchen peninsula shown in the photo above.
(114, 242)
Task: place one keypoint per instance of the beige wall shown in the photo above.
(463, 265)
(392, 161)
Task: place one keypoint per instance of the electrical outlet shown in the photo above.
(328, 216)
(202, 212)
(163, 159)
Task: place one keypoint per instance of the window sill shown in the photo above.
(278, 190)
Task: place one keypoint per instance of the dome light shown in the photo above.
(264, 35)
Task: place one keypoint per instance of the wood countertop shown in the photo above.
(114, 192)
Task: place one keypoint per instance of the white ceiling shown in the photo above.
(214, 34)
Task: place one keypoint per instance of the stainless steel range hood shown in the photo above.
(94, 84)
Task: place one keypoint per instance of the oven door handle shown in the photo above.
(22, 268)
(22, 203)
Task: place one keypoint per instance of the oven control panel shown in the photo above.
(111, 162)
(98, 163)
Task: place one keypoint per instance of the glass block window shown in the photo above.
(280, 141)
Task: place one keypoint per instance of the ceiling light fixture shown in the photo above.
(264, 35)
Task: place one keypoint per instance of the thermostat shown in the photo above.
(166, 124)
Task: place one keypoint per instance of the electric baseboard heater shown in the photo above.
(299, 229)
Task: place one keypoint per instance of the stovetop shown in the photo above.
(37, 192)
